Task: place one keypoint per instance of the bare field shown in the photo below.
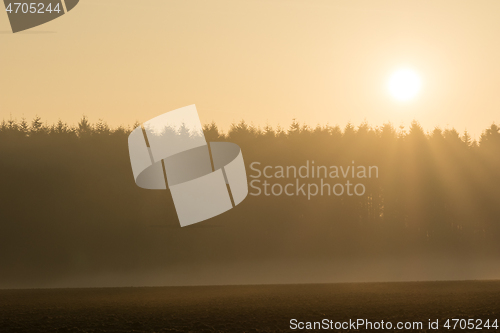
(266, 308)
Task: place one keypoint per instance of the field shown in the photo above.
(267, 308)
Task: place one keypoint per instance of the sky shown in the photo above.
(264, 61)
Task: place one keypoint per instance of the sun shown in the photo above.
(404, 85)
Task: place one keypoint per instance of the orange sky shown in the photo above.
(265, 61)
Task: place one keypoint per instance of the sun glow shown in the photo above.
(404, 85)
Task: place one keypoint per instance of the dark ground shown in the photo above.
(266, 308)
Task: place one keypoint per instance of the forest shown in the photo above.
(69, 204)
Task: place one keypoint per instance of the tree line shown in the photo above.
(68, 201)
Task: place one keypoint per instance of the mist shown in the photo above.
(72, 216)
